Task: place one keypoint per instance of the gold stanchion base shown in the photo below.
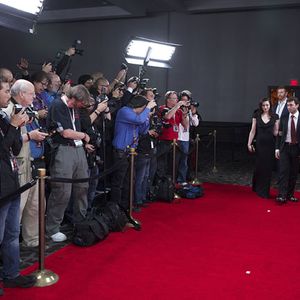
(45, 278)
(176, 196)
(133, 223)
(196, 181)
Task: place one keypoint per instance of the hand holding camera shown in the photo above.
(37, 135)
(102, 106)
(18, 119)
(42, 114)
(151, 104)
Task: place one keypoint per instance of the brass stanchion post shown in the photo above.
(174, 144)
(215, 151)
(133, 222)
(44, 277)
(196, 179)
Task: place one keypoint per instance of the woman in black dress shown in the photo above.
(264, 129)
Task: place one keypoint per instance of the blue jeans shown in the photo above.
(94, 171)
(183, 157)
(142, 167)
(9, 238)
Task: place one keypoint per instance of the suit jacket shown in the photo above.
(283, 128)
(284, 111)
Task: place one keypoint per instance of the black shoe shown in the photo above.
(280, 200)
(20, 281)
(293, 199)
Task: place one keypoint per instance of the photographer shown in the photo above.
(131, 122)
(69, 161)
(146, 150)
(88, 116)
(172, 116)
(22, 93)
(41, 100)
(184, 135)
(10, 145)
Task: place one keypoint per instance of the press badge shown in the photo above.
(175, 128)
(78, 143)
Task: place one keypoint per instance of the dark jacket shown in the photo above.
(10, 145)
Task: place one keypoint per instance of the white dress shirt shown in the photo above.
(280, 107)
(288, 135)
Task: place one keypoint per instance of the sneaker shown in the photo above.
(32, 244)
(58, 237)
(20, 281)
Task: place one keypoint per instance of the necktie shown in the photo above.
(293, 131)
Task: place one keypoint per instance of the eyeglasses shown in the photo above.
(45, 83)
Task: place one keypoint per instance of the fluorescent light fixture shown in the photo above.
(21, 15)
(154, 53)
(30, 6)
(152, 63)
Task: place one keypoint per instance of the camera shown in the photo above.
(194, 103)
(124, 66)
(75, 45)
(156, 124)
(28, 110)
(141, 83)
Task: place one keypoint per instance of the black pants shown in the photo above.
(120, 179)
(164, 158)
(288, 170)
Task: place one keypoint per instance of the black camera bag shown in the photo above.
(165, 189)
(90, 231)
(115, 218)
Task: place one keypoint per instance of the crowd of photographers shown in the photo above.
(80, 131)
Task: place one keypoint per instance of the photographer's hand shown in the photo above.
(47, 68)
(23, 66)
(42, 113)
(19, 119)
(86, 138)
(151, 104)
(153, 133)
(70, 51)
(89, 148)
(37, 135)
(102, 106)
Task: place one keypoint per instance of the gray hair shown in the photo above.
(19, 86)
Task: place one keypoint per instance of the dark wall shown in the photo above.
(227, 59)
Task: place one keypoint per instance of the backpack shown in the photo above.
(165, 189)
(90, 231)
(115, 218)
(190, 192)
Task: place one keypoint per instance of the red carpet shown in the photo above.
(197, 249)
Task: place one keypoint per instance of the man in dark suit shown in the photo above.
(287, 151)
(280, 108)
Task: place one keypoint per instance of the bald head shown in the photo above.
(23, 92)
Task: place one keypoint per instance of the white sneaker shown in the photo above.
(58, 237)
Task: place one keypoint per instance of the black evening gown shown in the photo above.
(265, 155)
